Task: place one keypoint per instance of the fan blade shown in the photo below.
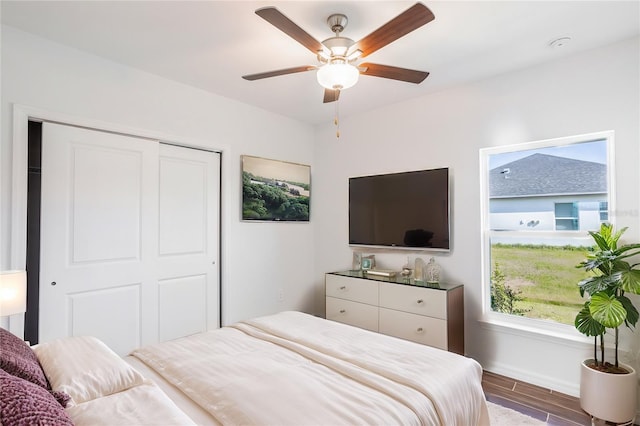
(290, 28)
(409, 20)
(395, 73)
(330, 95)
(276, 73)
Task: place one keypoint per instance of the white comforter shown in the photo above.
(295, 369)
(103, 389)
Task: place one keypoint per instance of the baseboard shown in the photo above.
(527, 376)
(568, 388)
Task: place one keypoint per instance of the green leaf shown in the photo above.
(593, 285)
(628, 247)
(614, 239)
(632, 312)
(585, 323)
(601, 261)
(607, 310)
(630, 280)
(601, 238)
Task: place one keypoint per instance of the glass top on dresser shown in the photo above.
(396, 279)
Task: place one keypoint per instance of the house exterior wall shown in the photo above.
(538, 213)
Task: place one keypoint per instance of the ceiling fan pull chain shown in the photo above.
(336, 119)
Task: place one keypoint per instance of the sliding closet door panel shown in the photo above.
(183, 203)
(99, 305)
(188, 241)
(98, 241)
(105, 205)
(183, 306)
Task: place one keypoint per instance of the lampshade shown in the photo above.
(13, 292)
(338, 76)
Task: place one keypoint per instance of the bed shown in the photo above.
(284, 369)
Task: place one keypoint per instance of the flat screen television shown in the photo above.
(407, 210)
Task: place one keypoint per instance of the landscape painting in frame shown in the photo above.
(275, 190)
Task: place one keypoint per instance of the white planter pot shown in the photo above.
(610, 397)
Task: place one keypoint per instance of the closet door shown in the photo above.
(188, 241)
(98, 237)
(129, 238)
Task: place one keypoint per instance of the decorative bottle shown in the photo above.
(419, 270)
(432, 272)
(407, 269)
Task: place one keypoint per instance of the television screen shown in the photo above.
(406, 210)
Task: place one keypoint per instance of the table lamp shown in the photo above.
(13, 292)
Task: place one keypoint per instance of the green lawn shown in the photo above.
(547, 277)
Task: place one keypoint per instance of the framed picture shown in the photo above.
(368, 262)
(274, 190)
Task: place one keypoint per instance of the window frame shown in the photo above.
(574, 218)
(515, 322)
(604, 212)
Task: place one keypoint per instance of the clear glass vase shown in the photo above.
(419, 270)
(432, 272)
(407, 269)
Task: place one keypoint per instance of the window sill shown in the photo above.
(533, 328)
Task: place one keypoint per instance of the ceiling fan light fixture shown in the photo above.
(338, 46)
(337, 76)
(352, 56)
(324, 55)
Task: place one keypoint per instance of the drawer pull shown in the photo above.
(420, 301)
(342, 311)
(420, 330)
(344, 287)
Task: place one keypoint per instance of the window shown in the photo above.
(539, 201)
(566, 216)
(604, 211)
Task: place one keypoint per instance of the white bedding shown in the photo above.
(144, 404)
(103, 388)
(292, 368)
(85, 368)
(195, 412)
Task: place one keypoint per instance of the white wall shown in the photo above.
(588, 92)
(48, 76)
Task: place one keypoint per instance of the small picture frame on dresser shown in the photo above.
(368, 262)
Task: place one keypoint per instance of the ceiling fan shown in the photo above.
(338, 56)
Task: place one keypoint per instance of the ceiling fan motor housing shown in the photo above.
(339, 47)
(337, 22)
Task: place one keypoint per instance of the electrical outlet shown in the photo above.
(280, 295)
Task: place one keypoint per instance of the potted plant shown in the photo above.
(608, 390)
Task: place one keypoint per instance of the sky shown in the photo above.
(595, 151)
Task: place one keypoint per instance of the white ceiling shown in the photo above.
(211, 44)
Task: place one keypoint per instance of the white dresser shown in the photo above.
(424, 313)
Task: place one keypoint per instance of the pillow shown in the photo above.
(140, 405)
(25, 403)
(18, 359)
(85, 368)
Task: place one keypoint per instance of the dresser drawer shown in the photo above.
(417, 328)
(357, 290)
(417, 300)
(352, 313)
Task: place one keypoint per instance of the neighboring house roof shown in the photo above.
(542, 174)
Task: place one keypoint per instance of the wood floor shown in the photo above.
(555, 408)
